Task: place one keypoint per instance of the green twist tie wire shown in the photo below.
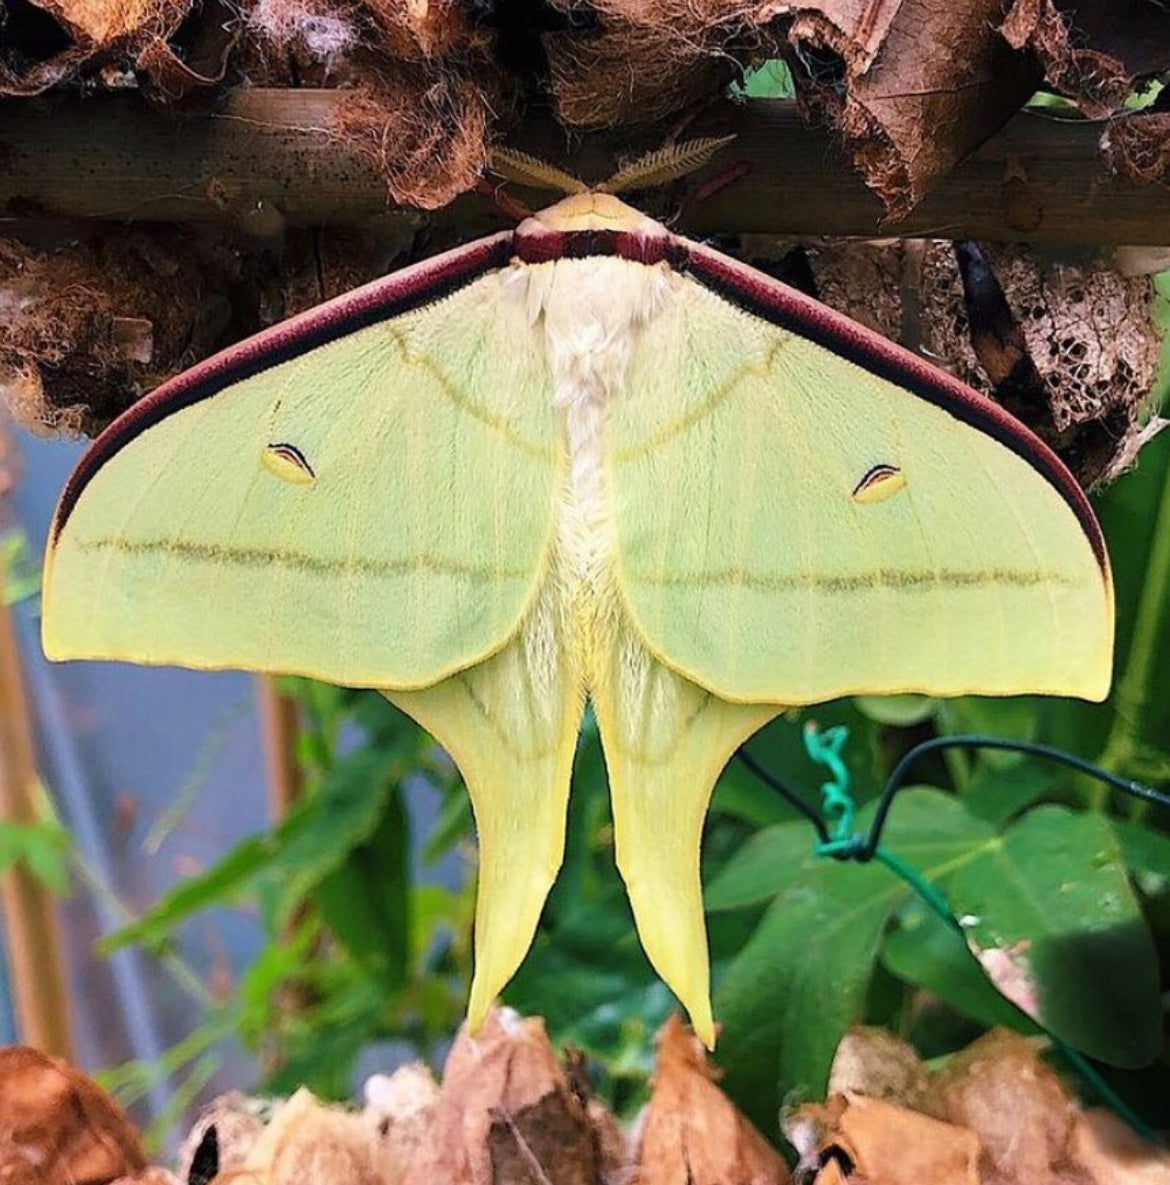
(824, 747)
(844, 843)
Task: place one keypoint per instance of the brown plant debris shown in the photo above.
(1094, 51)
(195, 55)
(425, 130)
(1139, 145)
(223, 1135)
(400, 1107)
(995, 1114)
(178, 45)
(691, 1131)
(640, 61)
(310, 1143)
(1022, 1112)
(58, 1127)
(88, 328)
(907, 116)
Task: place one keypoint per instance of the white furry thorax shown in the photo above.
(591, 311)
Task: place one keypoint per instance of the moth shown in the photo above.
(584, 459)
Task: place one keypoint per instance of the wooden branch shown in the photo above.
(265, 156)
(31, 928)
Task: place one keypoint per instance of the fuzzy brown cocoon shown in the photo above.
(310, 1143)
(87, 329)
(80, 35)
(424, 130)
(1021, 1110)
(150, 1177)
(1094, 51)
(892, 1145)
(1089, 331)
(995, 1114)
(58, 1127)
(691, 1131)
(650, 59)
(399, 1109)
(506, 1112)
(238, 1121)
(913, 86)
(875, 1063)
(1139, 145)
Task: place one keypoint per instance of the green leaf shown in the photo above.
(998, 793)
(222, 884)
(799, 983)
(1049, 913)
(1147, 853)
(770, 80)
(766, 865)
(924, 950)
(366, 901)
(42, 847)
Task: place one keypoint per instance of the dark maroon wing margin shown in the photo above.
(411, 288)
(792, 310)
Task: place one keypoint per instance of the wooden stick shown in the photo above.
(280, 723)
(265, 154)
(32, 931)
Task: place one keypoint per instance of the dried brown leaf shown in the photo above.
(691, 1131)
(400, 1108)
(58, 1127)
(912, 85)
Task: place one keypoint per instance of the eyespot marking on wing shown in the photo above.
(881, 482)
(289, 464)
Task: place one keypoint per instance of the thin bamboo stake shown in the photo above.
(265, 154)
(32, 929)
(280, 725)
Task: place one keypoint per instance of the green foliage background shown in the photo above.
(1066, 885)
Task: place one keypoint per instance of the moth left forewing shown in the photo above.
(366, 498)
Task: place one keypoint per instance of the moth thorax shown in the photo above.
(591, 310)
